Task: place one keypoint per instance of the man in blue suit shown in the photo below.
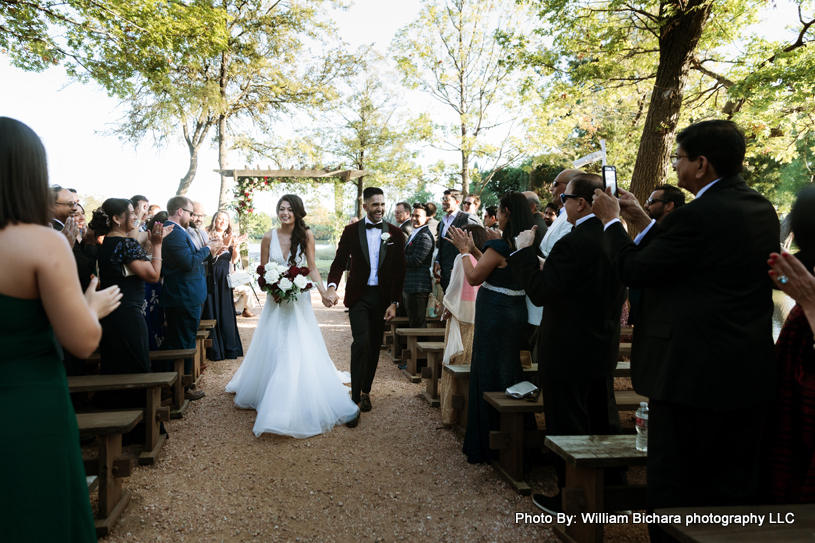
(185, 286)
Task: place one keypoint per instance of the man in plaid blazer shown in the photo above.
(418, 259)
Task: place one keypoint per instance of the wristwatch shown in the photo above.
(396, 304)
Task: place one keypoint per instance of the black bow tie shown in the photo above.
(371, 225)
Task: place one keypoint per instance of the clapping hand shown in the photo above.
(461, 239)
(102, 302)
(71, 230)
(526, 238)
(493, 233)
(159, 232)
(215, 246)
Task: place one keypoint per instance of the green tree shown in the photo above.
(450, 52)
(257, 224)
(262, 72)
(632, 72)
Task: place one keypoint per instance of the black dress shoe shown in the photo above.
(365, 403)
(353, 422)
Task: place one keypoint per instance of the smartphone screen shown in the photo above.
(610, 179)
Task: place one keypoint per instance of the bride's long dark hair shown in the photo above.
(298, 235)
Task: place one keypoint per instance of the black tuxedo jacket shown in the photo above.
(703, 337)
(582, 299)
(447, 254)
(391, 272)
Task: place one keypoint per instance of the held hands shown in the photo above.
(330, 297)
(526, 238)
(102, 302)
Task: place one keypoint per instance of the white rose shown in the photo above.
(271, 276)
(300, 282)
(386, 236)
(284, 284)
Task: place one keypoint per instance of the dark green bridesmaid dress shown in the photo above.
(43, 492)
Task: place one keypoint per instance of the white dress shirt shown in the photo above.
(560, 227)
(374, 236)
(413, 234)
(446, 221)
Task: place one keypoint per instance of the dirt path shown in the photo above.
(398, 476)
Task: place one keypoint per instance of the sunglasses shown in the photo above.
(655, 200)
(564, 197)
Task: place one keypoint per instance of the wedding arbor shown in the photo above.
(247, 181)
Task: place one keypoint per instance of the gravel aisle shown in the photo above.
(398, 476)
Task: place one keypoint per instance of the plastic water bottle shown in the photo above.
(642, 427)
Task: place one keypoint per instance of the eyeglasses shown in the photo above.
(675, 158)
(654, 200)
(187, 210)
(564, 197)
(468, 204)
(196, 215)
(69, 204)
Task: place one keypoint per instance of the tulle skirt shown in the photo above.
(288, 377)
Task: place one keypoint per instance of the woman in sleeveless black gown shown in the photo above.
(229, 346)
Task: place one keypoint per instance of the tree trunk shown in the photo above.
(186, 181)
(223, 197)
(680, 37)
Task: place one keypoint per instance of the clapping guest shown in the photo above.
(140, 205)
(418, 259)
(123, 262)
(459, 314)
(789, 473)
(500, 321)
(40, 299)
(222, 295)
(153, 313)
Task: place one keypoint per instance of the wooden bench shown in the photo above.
(434, 352)
(788, 523)
(623, 369)
(207, 324)
(585, 492)
(625, 350)
(108, 467)
(391, 339)
(153, 412)
(177, 357)
(411, 354)
(202, 343)
(511, 439)
(461, 373)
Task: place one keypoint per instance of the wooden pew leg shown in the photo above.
(463, 387)
(584, 493)
(112, 500)
(153, 439)
(198, 360)
(411, 371)
(180, 405)
(510, 464)
(431, 392)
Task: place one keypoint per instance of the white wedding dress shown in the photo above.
(287, 375)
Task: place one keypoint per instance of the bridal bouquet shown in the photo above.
(282, 282)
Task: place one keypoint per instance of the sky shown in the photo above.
(71, 118)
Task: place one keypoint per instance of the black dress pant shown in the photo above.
(581, 408)
(367, 317)
(182, 326)
(700, 457)
(416, 306)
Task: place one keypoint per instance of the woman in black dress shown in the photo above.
(122, 261)
(500, 321)
(229, 346)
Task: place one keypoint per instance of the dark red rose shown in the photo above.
(246, 194)
(304, 271)
(308, 286)
(293, 272)
(261, 270)
(261, 282)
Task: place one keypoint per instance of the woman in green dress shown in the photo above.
(43, 493)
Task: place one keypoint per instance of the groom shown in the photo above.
(373, 289)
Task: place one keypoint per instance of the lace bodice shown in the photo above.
(276, 253)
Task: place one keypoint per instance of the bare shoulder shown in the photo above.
(29, 235)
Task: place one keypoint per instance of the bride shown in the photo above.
(287, 375)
